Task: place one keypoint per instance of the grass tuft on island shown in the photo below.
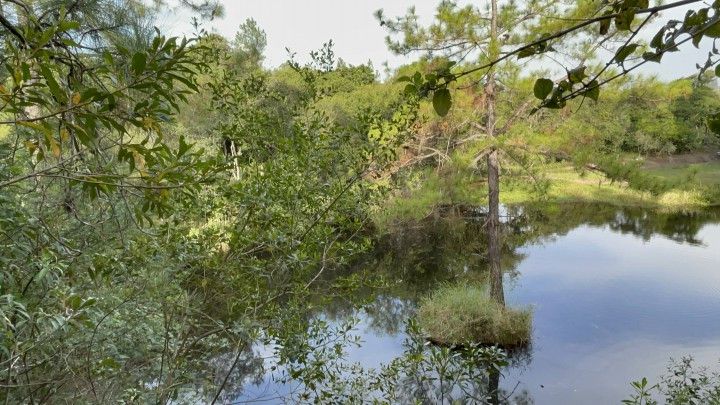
(465, 313)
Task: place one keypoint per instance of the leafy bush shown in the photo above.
(682, 384)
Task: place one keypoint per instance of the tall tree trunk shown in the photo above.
(494, 386)
(493, 223)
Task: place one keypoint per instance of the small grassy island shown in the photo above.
(464, 313)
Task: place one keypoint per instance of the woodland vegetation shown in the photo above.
(168, 203)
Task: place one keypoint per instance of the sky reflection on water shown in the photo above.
(614, 299)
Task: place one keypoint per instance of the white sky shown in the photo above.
(304, 25)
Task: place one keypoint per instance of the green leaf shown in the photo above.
(68, 25)
(717, 70)
(593, 91)
(109, 362)
(26, 74)
(624, 52)
(53, 85)
(577, 75)
(183, 147)
(431, 79)
(442, 102)
(417, 78)
(694, 18)
(624, 20)
(657, 40)
(605, 26)
(542, 88)
(73, 301)
(713, 31)
(410, 89)
(108, 58)
(652, 57)
(696, 39)
(527, 52)
(45, 37)
(555, 104)
(138, 62)
(565, 85)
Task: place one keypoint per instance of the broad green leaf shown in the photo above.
(527, 52)
(73, 302)
(107, 56)
(431, 79)
(183, 146)
(577, 75)
(652, 57)
(624, 20)
(657, 40)
(45, 37)
(138, 62)
(717, 70)
(542, 88)
(410, 89)
(713, 31)
(624, 52)
(696, 39)
(53, 85)
(694, 18)
(555, 104)
(442, 102)
(27, 75)
(36, 126)
(67, 25)
(593, 91)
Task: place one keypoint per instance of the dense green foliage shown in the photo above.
(544, 29)
(169, 204)
(684, 383)
(647, 117)
(135, 261)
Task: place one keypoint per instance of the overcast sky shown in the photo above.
(304, 25)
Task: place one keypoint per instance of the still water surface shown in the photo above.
(615, 293)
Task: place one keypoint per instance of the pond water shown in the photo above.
(615, 294)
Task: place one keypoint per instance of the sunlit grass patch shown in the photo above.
(465, 313)
(706, 174)
(564, 184)
(569, 186)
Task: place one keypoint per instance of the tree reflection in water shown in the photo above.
(451, 246)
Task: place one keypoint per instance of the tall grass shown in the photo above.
(465, 313)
